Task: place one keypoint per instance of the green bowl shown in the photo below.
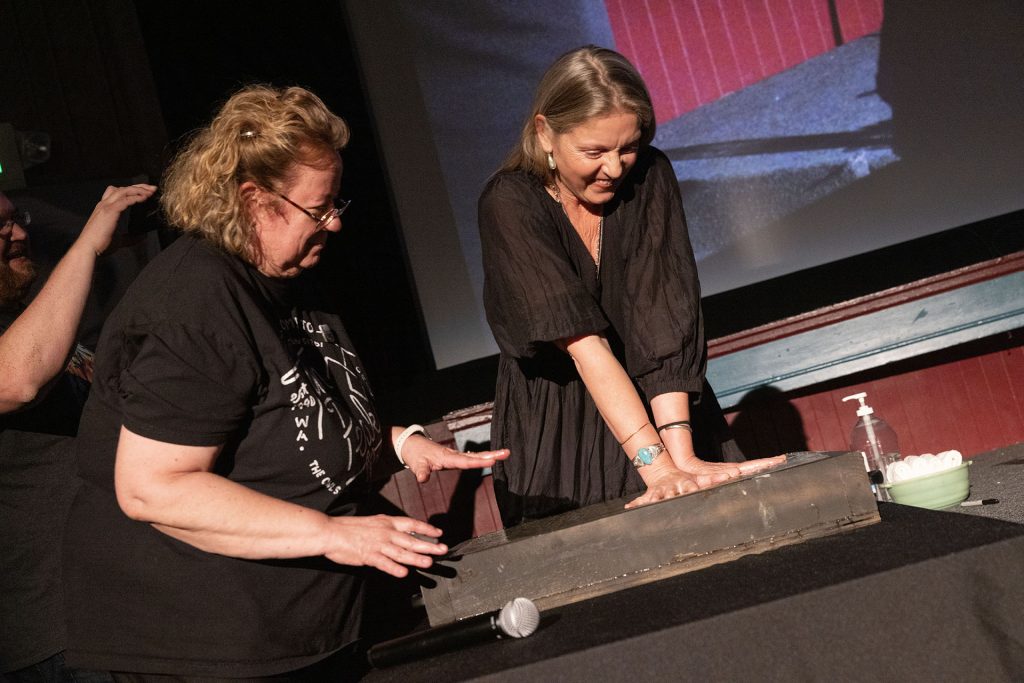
(933, 491)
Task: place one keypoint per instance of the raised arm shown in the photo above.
(34, 349)
(173, 488)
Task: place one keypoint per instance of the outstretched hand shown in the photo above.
(711, 473)
(384, 542)
(423, 457)
(696, 474)
(669, 482)
(99, 229)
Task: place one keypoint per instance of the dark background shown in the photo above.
(119, 83)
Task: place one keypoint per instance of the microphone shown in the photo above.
(517, 619)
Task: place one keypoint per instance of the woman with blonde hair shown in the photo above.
(225, 447)
(591, 292)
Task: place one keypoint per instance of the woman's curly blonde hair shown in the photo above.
(259, 135)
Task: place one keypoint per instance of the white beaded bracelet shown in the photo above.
(400, 441)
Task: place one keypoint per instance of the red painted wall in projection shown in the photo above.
(692, 52)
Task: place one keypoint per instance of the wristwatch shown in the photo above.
(647, 454)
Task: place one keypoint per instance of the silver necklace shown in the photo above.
(600, 226)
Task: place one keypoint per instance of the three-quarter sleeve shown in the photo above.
(533, 292)
(664, 327)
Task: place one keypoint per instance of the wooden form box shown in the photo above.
(603, 548)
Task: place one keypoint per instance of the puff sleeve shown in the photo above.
(663, 323)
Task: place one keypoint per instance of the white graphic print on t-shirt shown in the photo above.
(313, 397)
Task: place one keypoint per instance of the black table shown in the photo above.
(922, 595)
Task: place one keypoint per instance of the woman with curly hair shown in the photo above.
(223, 451)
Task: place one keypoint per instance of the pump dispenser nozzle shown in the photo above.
(864, 409)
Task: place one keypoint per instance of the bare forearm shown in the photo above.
(221, 516)
(616, 399)
(173, 488)
(36, 346)
(611, 388)
(264, 528)
(674, 407)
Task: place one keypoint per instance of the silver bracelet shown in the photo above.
(400, 441)
(680, 424)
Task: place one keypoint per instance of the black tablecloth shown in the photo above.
(922, 595)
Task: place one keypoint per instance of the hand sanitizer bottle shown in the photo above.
(873, 438)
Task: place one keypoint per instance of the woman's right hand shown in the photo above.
(384, 542)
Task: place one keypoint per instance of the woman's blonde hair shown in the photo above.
(585, 83)
(259, 134)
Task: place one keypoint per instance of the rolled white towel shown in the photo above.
(914, 466)
(923, 464)
(898, 471)
(950, 459)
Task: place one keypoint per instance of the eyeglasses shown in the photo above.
(18, 216)
(321, 221)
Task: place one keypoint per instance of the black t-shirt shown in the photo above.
(37, 484)
(204, 350)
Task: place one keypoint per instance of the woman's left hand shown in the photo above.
(697, 474)
(423, 457)
(710, 473)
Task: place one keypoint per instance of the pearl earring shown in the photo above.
(551, 161)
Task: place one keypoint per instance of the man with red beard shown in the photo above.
(17, 271)
(44, 379)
